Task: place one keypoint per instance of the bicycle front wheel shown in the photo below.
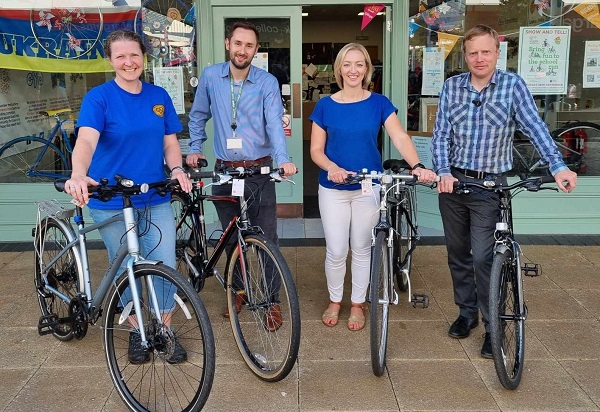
(176, 371)
(404, 238)
(31, 159)
(507, 321)
(62, 276)
(267, 328)
(187, 246)
(379, 294)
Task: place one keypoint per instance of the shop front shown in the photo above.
(414, 45)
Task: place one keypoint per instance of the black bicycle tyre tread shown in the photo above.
(44, 142)
(378, 334)
(401, 250)
(192, 239)
(43, 228)
(288, 287)
(498, 286)
(190, 297)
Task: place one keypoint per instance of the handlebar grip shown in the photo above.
(547, 179)
(59, 184)
(200, 175)
(395, 164)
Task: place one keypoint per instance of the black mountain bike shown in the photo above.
(508, 310)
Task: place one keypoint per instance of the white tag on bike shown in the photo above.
(237, 187)
(366, 186)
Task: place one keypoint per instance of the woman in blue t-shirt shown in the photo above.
(129, 127)
(344, 140)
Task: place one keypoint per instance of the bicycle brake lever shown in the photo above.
(276, 176)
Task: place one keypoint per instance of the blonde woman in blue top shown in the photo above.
(343, 140)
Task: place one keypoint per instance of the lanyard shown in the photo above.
(234, 102)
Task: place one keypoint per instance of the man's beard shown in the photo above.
(238, 65)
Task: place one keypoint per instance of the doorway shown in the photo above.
(325, 30)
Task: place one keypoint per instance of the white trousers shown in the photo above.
(348, 215)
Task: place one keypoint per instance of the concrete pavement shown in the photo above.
(426, 369)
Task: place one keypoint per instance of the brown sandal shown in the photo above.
(330, 316)
(358, 321)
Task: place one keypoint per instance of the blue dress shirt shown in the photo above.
(259, 113)
(474, 130)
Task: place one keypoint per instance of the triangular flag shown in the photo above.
(447, 41)
(369, 13)
(590, 12)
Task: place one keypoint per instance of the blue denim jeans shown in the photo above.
(156, 231)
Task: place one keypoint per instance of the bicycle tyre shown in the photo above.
(507, 322)
(19, 161)
(573, 158)
(379, 301)
(270, 355)
(158, 384)
(404, 237)
(72, 31)
(50, 238)
(187, 245)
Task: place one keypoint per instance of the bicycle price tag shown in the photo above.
(366, 186)
(237, 187)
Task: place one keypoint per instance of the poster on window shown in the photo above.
(433, 71)
(171, 79)
(544, 58)
(591, 66)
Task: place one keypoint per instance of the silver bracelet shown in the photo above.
(178, 168)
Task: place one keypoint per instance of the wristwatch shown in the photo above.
(178, 168)
(421, 165)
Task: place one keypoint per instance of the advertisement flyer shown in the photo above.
(433, 71)
(591, 68)
(544, 58)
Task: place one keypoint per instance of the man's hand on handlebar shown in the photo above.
(446, 184)
(77, 186)
(289, 169)
(192, 159)
(566, 180)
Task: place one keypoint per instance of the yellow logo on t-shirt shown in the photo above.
(159, 110)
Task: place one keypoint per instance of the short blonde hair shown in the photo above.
(339, 60)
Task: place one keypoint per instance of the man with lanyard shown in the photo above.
(478, 114)
(245, 104)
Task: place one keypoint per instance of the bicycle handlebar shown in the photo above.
(384, 177)
(532, 185)
(125, 187)
(227, 175)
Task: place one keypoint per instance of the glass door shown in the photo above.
(280, 30)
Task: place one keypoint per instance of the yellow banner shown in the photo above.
(447, 41)
(590, 12)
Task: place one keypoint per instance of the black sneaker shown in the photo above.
(179, 354)
(137, 353)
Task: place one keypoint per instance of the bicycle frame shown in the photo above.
(131, 247)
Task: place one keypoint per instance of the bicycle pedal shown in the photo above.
(531, 269)
(420, 299)
(47, 324)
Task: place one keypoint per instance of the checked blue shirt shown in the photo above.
(474, 130)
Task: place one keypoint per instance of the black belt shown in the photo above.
(263, 161)
(474, 174)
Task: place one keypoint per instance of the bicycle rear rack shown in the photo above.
(55, 209)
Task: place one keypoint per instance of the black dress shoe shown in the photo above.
(486, 349)
(462, 327)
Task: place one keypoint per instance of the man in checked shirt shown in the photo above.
(478, 114)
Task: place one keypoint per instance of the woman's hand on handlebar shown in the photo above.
(446, 184)
(184, 181)
(77, 186)
(337, 174)
(424, 175)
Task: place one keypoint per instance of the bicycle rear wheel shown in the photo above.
(507, 320)
(50, 238)
(379, 296)
(159, 383)
(574, 153)
(258, 276)
(31, 159)
(404, 237)
(187, 246)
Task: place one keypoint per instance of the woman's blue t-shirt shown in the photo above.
(132, 129)
(352, 130)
